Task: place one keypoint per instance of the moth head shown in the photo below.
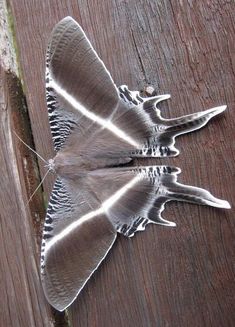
(51, 165)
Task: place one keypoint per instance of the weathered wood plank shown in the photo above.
(22, 302)
(163, 277)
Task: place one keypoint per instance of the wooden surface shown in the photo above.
(22, 302)
(163, 277)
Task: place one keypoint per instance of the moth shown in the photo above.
(98, 129)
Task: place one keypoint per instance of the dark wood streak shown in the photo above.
(180, 276)
(22, 301)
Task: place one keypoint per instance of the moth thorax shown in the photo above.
(70, 164)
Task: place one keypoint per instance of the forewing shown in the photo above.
(73, 68)
(83, 101)
(77, 237)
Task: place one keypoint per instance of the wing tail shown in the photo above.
(181, 192)
(189, 123)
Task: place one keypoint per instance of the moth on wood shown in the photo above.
(97, 130)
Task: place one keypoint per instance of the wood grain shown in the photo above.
(162, 277)
(22, 302)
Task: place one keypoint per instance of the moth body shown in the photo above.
(69, 164)
(97, 129)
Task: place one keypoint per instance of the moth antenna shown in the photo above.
(30, 148)
(31, 196)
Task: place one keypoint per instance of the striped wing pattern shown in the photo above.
(61, 123)
(97, 129)
(60, 203)
(68, 241)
